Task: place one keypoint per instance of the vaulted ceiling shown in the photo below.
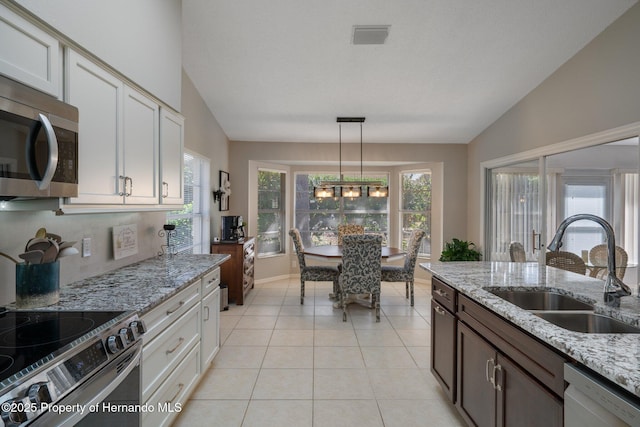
(283, 70)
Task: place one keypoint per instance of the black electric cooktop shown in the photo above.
(27, 337)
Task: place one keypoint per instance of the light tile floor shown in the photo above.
(286, 364)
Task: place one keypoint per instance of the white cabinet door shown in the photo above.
(28, 54)
(210, 336)
(140, 148)
(171, 157)
(99, 98)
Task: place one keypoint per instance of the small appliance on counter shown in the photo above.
(232, 229)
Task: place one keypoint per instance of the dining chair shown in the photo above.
(516, 252)
(312, 273)
(405, 273)
(360, 269)
(566, 261)
(598, 258)
(348, 229)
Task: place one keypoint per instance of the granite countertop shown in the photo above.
(138, 287)
(614, 356)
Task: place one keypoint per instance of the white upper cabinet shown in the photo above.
(171, 161)
(141, 130)
(28, 54)
(99, 98)
(118, 137)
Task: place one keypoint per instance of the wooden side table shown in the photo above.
(237, 272)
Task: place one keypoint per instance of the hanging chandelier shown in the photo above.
(349, 188)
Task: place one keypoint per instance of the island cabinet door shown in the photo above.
(476, 400)
(443, 348)
(522, 401)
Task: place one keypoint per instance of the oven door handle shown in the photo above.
(94, 391)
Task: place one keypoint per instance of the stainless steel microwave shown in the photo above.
(38, 144)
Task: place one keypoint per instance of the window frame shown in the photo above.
(402, 239)
(282, 210)
(341, 212)
(203, 215)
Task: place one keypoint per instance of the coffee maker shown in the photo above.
(232, 228)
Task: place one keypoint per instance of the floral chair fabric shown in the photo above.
(312, 273)
(348, 229)
(360, 269)
(405, 273)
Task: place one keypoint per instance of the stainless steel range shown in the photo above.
(63, 367)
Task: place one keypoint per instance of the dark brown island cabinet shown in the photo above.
(237, 272)
(494, 372)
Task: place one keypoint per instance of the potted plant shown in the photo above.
(460, 250)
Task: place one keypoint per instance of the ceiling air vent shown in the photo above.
(370, 34)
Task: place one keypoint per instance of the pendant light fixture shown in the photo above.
(352, 188)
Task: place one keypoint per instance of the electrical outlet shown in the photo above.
(86, 247)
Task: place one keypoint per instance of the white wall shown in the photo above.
(142, 38)
(596, 90)
(203, 134)
(449, 159)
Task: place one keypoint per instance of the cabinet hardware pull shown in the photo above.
(486, 371)
(207, 307)
(124, 185)
(165, 189)
(180, 341)
(439, 310)
(496, 383)
(130, 185)
(180, 387)
(442, 293)
(173, 310)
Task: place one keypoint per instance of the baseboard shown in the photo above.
(275, 279)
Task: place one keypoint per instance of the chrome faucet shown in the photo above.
(614, 288)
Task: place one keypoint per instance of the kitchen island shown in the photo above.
(481, 315)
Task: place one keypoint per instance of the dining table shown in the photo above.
(334, 252)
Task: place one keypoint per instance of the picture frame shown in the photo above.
(225, 186)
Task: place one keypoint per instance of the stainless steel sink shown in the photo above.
(587, 322)
(542, 300)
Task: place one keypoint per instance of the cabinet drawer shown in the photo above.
(210, 281)
(444, 294)
(161, 355)
(172, 395)
(159, 318)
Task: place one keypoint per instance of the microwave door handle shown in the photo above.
(52, 162)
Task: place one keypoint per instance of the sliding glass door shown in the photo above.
(601, 180)
(515, 210)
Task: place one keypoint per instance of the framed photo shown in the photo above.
(225, 185)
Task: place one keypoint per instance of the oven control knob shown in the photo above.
(138, 327)
(12, 412)
(115, 344)
(127, 336)
(39, 393)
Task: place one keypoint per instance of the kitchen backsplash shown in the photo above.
(17, 227)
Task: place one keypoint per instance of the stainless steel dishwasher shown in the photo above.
(590, 402)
